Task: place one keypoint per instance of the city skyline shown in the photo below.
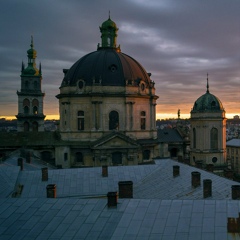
(179, 43)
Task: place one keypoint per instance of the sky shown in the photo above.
(178, 41)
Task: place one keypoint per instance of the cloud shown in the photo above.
(179, 42)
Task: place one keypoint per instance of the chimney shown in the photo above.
(235, 192)
(105, 171)
(196, 179)
(51, 191)
(176, 170)
(228, 173)
(44, 174)
(28, 157)
(20, 163)
(125, 189)
(199, 164)
(207, 188)
(112, 199)
(210, 167)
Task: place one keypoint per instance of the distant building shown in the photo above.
(30, 115)
(233, 154)
(208, 131)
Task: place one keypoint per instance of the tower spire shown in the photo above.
(31, 45)
(207, 84)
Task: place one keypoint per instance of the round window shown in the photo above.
(214, 159)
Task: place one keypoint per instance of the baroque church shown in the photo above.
(107, 107)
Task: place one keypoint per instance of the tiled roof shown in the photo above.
(149, 181)
(169, 135)
(140, 219)
(8, 179)
(233, 143)
(163, 206)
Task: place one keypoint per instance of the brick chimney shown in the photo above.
(125, 189)
(196, 179)
(20, 163)
(105, 171)
(51, 191)
(176, 170)
(207, 188)
(112, 199)
(236, 192)
(44, 174)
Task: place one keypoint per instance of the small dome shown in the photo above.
(107, 67)
(208, 103)
(109, 24)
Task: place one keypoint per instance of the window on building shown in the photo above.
(143, 120)
(26, 109)
(113, 120)
(214, 159)
(194, 137)
(65, 156)
(214, 138)
(146, 154)
(79, 157)
(80, 120)
(35, 105)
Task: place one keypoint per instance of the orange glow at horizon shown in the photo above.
(158, 116)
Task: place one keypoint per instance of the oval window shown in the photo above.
(80, 84)
(214, 159)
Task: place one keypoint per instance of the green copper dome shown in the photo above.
(31, 69)
(109, 24)
(207, 103)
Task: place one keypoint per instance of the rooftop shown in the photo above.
(162, 207)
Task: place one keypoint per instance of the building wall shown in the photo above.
(233, 155)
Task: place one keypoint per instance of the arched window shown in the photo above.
(35, 127)
(35, 105)
(35, 110)
(143, 120)
(26, 127)
(113, 120)
(26, 105)
(146, 154)
(80, 120)
(214, 138)
(26, 110)
(194, 137)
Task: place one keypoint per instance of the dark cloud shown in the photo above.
(179, 42)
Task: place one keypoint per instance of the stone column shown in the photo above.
(93, 115)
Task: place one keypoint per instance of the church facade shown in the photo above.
(107, 105)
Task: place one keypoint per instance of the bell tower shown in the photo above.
(30, 115)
